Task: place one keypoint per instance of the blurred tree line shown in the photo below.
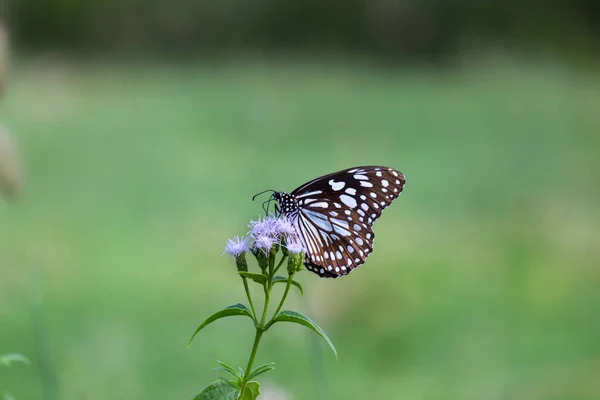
(416, 28)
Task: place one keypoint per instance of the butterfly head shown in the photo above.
(287, 203)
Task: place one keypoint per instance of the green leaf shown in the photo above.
(258, 278)
(261, 370)
(236, 309)
(219, 390)
(234, 376)
(251, 391)
(279, 279)
(229, 368)
(8, 359)
(298, 318)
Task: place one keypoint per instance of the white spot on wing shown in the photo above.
(309, 194)
(361, 177)
(351, 191)
(384, 183)
(347, 200)
(366, 184)
(336, 185)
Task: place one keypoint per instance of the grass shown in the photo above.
(483, 283)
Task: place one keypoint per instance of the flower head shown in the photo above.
(266, 226)
(264, 243)
(294, 246)
(274, 227)
(236, 246)
(284, 227)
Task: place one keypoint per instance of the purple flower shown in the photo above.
(273, 227)
(294, 246)
(284, 227)
(264, 243)
(263, 227)
(236, 246)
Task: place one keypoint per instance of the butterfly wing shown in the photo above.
(336, 213)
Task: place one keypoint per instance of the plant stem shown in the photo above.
(259, 333)
(268, 287)
(249, 297)
(285, 293)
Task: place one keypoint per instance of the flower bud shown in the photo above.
(238, 247)
(261, 258)
(295, 263)
(240, 262)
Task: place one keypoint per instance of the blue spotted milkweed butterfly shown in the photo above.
(334, 214)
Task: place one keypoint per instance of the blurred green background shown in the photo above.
(146, 127)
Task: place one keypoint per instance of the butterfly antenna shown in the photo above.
(268, 204)
(264, 191)
(265, 206)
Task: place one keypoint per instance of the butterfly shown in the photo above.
(333, 215)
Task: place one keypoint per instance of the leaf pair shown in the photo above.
(283, 316)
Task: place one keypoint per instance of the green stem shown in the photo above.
(259, 333)
(260, 328)
(285, 294)
(249, 297)
(268, 287)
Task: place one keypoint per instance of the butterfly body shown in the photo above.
(333, 215)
